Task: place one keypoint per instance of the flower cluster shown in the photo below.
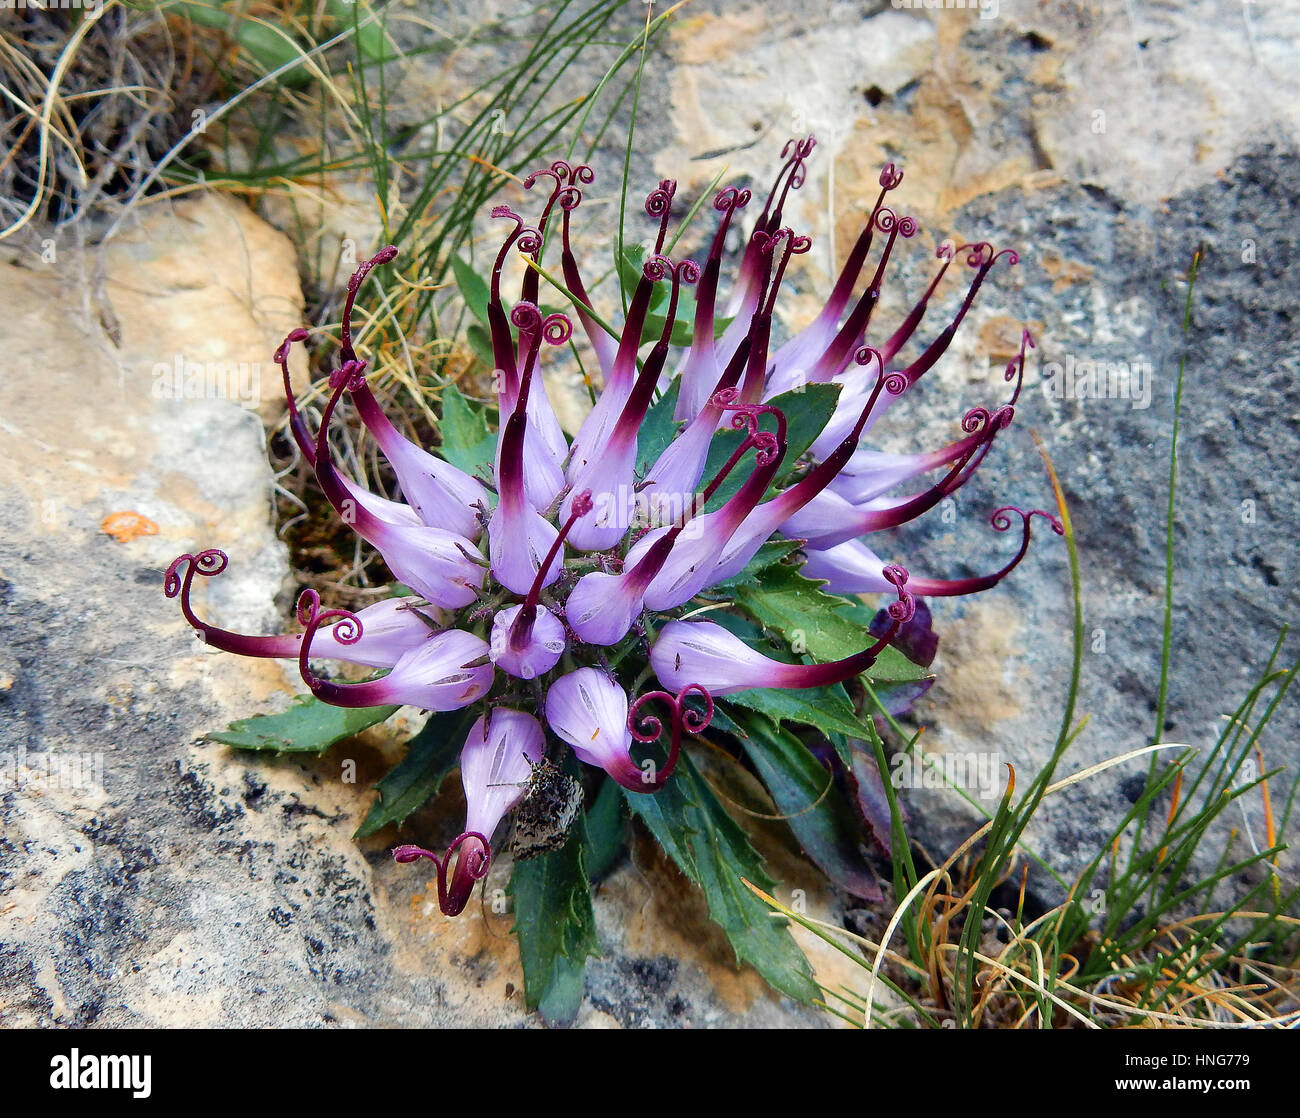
(531, 583)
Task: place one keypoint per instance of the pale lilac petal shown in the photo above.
(602, 608)
(542, 649)
(519, 539)
(390, 629)
(703, 653)
(848, 568)
(496, 764)
(589, 711)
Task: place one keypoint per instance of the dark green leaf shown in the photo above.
(629, 277)
(825, 708)
(605, 833)
(811, 619)
(556, 928)
(430, 756)
(467, 442)
(658, 429)
(693, 827)
(683, 324)
(807, 412)
(473, 288)
(308, 726)
(768, 555)
(804, 791)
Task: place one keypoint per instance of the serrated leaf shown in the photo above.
(808, 617)
(555, 926)
(467, 443)
(916, 640)
(825, 708)
(769, 554)
(430, 756)
(308, 726)
(804, 791)
(708, 846)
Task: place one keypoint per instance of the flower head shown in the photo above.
(537, 586)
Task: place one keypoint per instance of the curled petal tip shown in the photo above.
(659, 200)
(688, 272)
(408, 853)
(471, 867)
(890, 176)
(647, 727)
(887, 222)
(1001, 521)
(557, 329)
(731, 199)
(208, 563)
(903, 610)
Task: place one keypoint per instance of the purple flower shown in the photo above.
(495, 768)
(539, 585)
(588, 709)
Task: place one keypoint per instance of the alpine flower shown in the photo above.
(539, 586)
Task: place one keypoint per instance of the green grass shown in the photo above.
(1146, 934)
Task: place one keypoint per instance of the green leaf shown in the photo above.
(708, 846)
(308, 726)
(683, 324)
(804, 791)
(769, 554)
(269, 47)
(808, 617)
(807, 412)
(630, 264)
(467, 443)
(480, 341)
(605, 833)
(825, 708)
(430, 756)
(658, 429)
(555, 927)
(473, 288)
(370, 37)
(629, 276)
